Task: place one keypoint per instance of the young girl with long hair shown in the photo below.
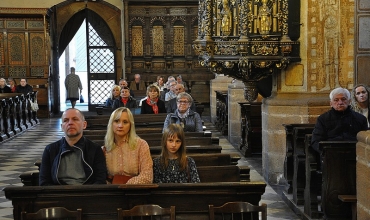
(173, 166)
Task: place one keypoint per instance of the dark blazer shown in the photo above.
(131, 103)
(23, 89)
(94, 162)
(147, 109)
(6, 89)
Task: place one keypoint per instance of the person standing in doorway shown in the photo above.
(73, 84)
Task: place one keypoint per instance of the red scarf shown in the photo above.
(153, 104)
(124, 100)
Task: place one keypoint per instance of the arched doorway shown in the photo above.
(103, 40)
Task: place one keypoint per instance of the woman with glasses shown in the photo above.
(189, 120)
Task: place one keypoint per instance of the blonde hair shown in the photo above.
(114, 87)
(109, 137)
(171, 131)
(150, 87)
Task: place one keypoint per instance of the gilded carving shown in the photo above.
(16, 47)
(330, 44)
(178, 41)
(137, 46)
(264, 49)
(2, 72)
(264, 18)
(226, 18)
(245, 39)
(158, 40)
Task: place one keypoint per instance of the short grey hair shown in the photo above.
(184, 95)
(340, 90)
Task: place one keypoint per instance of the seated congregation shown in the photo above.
(75, 167)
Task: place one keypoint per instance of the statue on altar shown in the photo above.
(264, 18)
(226, 18)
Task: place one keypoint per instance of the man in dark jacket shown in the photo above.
(340, 123)
(3, 87)
(23, 87)
(73, 160)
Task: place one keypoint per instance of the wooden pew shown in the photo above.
(16, 115)
(293, 164)
(251, 128)
(145, 136)
(223, 173)
(221, 111)
(211, 159)
(156, 140)
(101, 201)
(331, 175)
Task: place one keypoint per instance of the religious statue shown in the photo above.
(264, 18)
(226, 18)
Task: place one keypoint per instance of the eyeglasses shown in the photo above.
(182, 102)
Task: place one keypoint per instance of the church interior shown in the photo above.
(259, 71)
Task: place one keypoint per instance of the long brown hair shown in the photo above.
(170, 131)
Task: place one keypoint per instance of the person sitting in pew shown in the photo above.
(123, 83)
(74, 159)
(12, 84)
(127, 155)
(173, 166)
(360, 101)
(188, 119)
(115, 94)
(3, 87)
(152, 104)
(172, 104)
(340, 123)
(23, 87)
(126, 100)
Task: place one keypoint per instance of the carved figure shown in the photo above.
(226, 18)
(264, 18)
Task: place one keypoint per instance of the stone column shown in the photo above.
(235, 95)
(219, 83)
(362, 175)
(285, 108)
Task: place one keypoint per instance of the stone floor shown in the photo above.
(19, 154)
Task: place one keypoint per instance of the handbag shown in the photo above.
(82, 99)
(120, 179)
(34, 105)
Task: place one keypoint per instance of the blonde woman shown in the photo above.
(115, 94)
(127, 155)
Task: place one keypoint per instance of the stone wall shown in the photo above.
(363, 175)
